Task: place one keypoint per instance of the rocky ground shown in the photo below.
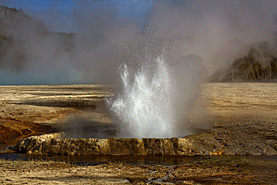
(225, 170)
(243, 116)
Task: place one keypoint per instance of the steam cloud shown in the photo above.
(217, 31)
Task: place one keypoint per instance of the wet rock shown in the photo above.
(198, 144)
(112, 146)
(126, 146)
(158, 147)
(9, 149)
(103, 146)
(34, 143)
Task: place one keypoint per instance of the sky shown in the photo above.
(64, 11)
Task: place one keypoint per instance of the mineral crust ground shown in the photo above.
(243, 116)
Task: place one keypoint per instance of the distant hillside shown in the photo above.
(13, 25)
(18, 32)
(12, 19)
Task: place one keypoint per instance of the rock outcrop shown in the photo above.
(48, 144)
(193, 145)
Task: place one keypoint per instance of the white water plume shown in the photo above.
(143, 106)
(146, 105)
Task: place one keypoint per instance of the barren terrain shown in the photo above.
(243, 116)
(226, 170)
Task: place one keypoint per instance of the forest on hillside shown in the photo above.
(16, 28)
(260, 64)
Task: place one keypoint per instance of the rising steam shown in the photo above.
(217, 31)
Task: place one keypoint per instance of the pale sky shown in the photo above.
(58, 15)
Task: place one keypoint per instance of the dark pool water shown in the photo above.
(96, 160)
(135, 160)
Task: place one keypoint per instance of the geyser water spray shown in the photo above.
(151, 101)
(143, 107)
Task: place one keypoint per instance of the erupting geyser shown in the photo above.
(144, 106)
(153, 99)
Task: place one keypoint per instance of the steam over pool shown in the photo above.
(151, 101)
